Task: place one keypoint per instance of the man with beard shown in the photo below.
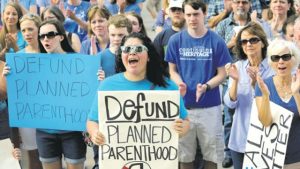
(228, 29)
(161, 40)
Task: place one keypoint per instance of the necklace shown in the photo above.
(284, 92)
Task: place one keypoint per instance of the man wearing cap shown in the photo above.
(197, 58)
(177, 18)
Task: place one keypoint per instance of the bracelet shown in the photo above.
(208, 87)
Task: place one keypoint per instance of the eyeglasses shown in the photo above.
(285, 57)
(252, 41)
(49, 35)
(174, 9)
(134, 49)
(241, 2)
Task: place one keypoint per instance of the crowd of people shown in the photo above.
(220, 54)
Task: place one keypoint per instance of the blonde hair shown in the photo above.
(32, 17)
(281, 44)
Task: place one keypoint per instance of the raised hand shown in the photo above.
(10, 41)
(70, 14)
(232, 71)
(263, 87)
(295, 86)
(94, 50)
(252, 72)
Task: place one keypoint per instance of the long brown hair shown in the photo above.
(4, 29)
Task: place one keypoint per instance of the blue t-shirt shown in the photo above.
(118, 82)
(108, 62)
(81, 12)
(162, 21)
(25, 3)
(114, 8)
(197, 60)
(86, 47)
(21, 43)
(293, 148)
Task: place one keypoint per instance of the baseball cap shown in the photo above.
(175, 3)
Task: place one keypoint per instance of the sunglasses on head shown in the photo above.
(252, 41)
(285, 57)
(134, 49)
(174, 9)
(49, 35)
(29, 16)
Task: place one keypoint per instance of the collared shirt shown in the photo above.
(217, 6)
(226, 28)
(243, 104)
(214, 8)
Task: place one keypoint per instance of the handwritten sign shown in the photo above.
(6, 158)
(266, 146)
(138, 129)
(51, 91)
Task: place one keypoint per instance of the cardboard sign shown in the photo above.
(266, 146)
(6, 158)
(138, 129)
(51, 91)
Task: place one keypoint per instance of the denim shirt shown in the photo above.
(243, 104)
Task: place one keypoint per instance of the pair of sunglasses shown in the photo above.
(49, 35)
(285, 57)
(134, 49)
(252, 41)
(174, 9)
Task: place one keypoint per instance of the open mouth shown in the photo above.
(281, 68)
(47, 45)
(132, 61)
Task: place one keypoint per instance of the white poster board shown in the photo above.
(266, 146)
(6, 159)
(138, 129)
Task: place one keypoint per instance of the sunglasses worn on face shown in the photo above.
(252, 41)
(134, 49)
(285, 57)
(174, 9)
(49, 35)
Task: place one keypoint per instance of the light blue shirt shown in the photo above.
(243, 104)
(25, 3)
(118, 82)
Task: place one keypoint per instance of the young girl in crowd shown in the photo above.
(140, 76)
(97, 31)
(53, 12)
(11, 39)
(29, 24)
(137, 23)
(52, 144)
